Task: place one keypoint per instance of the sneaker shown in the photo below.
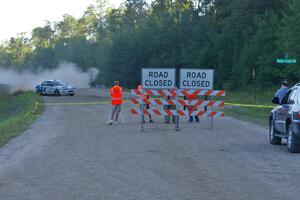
(116, 123)
(110, 122)
(151, 121)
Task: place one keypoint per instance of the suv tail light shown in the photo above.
(297, 115)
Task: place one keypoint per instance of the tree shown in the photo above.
(42, 36)
(17, 50)
(234, 37)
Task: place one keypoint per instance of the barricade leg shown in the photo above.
(177, 116)
(142, 112)
(212, 118)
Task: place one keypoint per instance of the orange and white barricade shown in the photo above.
(212, 104)
(178, 102)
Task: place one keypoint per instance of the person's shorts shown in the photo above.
(146, 106)
(116, 108)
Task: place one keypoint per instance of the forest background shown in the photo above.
(239, 39)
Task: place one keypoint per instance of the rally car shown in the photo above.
(56, 88)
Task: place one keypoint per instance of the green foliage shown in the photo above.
(17, 112)
(240, 39)
(250, 96)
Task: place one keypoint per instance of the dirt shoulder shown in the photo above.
(69, 153)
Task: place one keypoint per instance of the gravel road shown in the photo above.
(69, 154)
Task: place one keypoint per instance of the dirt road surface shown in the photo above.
(69, 154)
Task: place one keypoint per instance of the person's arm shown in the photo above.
(111, 92)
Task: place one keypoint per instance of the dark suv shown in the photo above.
(284, 120)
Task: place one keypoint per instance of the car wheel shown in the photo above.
(293, 142)
(71, 94)
(56, 93)
(275, 140)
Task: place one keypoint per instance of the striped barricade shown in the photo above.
(137, 111)
(173, 93)
(180, 102)
(217, 93)
(163, 93)
(142, 98)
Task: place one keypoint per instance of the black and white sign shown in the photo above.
(158, 78)
(197, 79)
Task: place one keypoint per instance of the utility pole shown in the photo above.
(254, 81)
(180, 29)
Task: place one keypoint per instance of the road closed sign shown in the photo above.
(196, 79)
(158, 78)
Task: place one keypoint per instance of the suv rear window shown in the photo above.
(294, 95)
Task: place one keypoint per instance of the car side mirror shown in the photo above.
(275, 100)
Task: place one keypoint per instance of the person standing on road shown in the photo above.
(143, 97)
(282, 91)
(116, 93)
(192, 108)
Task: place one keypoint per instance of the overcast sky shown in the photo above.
(18, 16)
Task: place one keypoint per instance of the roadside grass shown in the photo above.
(17, 113)
(255, 115)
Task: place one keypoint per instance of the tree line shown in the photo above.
(239, 39)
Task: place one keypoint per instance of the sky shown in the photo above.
(18, 16)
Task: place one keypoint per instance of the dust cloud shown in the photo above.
(68, 72)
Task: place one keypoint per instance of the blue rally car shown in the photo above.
(56, 88)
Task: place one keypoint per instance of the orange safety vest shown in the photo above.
(116, 95)
(191, 98)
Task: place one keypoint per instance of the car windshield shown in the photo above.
(59, 83)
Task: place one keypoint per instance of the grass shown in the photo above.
(255, 115)
(17, 113)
